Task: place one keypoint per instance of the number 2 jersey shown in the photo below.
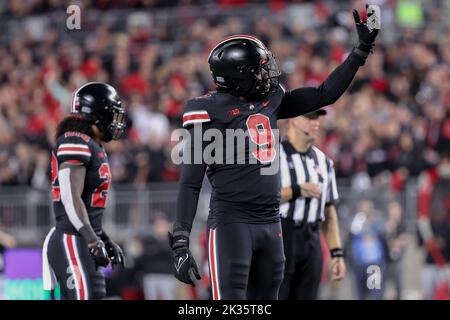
(240, 192)
(76, 148)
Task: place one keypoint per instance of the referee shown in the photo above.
(308, 194)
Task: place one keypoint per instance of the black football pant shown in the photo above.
(246, 261)
(71, 263)
(304, 263)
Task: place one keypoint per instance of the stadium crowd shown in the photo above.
(395, 117)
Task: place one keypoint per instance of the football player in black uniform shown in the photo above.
(77, 246)
(245, 245)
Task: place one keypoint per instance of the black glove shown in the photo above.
(366, 35)
(184, 264)
(115, 253)
(99, 254)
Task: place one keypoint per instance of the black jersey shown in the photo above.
(240, 192)
(79, 149)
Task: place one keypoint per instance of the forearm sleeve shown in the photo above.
(192, 174)
(303, 100)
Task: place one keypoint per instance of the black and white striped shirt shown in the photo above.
(312, 166)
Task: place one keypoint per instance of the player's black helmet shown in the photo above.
(100, 104)
(243, 66)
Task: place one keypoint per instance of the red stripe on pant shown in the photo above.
(76, 267)
(212, 264)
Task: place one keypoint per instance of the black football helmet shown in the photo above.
(100, 104)
(242, 65)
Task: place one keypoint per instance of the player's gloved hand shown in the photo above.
(115, 253)
(99, 254)
(186, 269)
(367, 30)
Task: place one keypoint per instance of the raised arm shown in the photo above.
(303, 100)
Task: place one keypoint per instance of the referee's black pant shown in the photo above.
(303, 269)
(246, 260)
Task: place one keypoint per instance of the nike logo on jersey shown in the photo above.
(180, 262)
(265, 103)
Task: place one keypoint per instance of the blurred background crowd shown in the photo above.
(389, 135)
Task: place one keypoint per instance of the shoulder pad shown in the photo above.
(195, 112)
(205, 96)
(74, 148)
(197, 116)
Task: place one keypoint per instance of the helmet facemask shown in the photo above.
(266, 74)
(117, 124)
